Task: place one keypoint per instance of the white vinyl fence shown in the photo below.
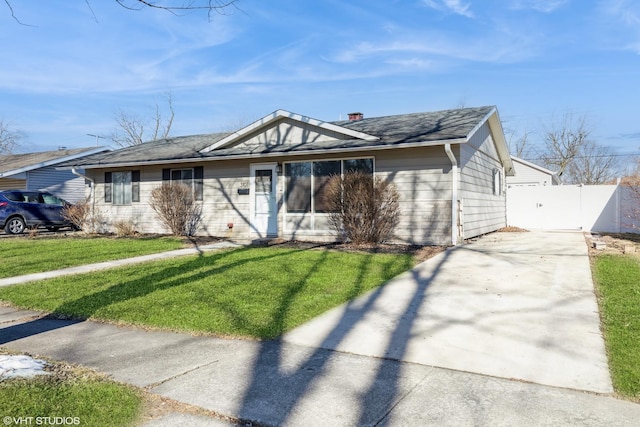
(604, 208)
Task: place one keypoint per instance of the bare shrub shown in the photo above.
(125, 228)
(84, 217)
(176, 207)
(78, 214)
(362, 209)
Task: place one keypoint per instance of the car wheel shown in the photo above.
(15, 225)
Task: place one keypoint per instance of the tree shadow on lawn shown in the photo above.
(197, 269)
(78, 310)
(279, 389)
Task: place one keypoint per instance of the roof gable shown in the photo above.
(538, 168)
(283, 127)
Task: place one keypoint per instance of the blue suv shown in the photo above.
(22, 209)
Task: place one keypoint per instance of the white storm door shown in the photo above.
(264, 216)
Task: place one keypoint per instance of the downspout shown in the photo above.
(454, 194)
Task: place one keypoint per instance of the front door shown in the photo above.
(264, 216)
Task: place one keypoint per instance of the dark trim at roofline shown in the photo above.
(278, 154)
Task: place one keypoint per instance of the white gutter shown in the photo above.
(454, 194)
(273, 154)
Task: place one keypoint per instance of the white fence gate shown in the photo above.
(604, 208)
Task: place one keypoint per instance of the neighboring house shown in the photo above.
(266, 179)
(528, 174)
(37, 171)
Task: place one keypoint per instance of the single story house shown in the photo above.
(37, 171)
(528, 174)
(265, 179)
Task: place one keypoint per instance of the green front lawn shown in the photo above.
(20, 256)
(69, 396)
(618, 284)
(256, 292)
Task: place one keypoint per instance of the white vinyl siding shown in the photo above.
(61, 183)
(423, 178)
(527, 176)
(483, 199)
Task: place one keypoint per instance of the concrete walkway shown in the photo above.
(390, 376)
(511, 305)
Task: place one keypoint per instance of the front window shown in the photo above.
(122, 188)
(306, 182)
(322, 174)
(298, 182)
(184, 176)
(191, 177)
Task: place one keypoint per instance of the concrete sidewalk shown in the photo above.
(277, 383)
(440, 345)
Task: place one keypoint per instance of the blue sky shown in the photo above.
(65, 74)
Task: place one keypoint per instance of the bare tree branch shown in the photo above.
(210, 6)
(9, 139)
(563, 141)
(172, 6)
(595, 164)
(13, 15)
(131, 128)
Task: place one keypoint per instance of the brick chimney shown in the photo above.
(355, 116)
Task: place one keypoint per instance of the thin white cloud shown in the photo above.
(428, 47)
(626, 11)
(544, 6)
(455, 6)
(623, 23)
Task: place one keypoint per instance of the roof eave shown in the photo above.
(275, 154)
(493, 119)
(52, 162)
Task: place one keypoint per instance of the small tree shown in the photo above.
(175, 205)
(362, 209)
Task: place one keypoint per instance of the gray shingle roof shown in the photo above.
(392, 131)
(27, 161)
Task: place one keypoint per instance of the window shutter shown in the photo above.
(107, 187)
(166, 174)
(135, 186)
(198, 182)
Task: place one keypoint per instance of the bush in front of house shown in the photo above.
(362, 209)
(84, 217)
(176, 207)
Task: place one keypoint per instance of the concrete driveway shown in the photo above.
(510, 305)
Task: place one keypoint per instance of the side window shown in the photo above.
(50, 199)
(497, 182)
(32, 198)
(14, 197)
